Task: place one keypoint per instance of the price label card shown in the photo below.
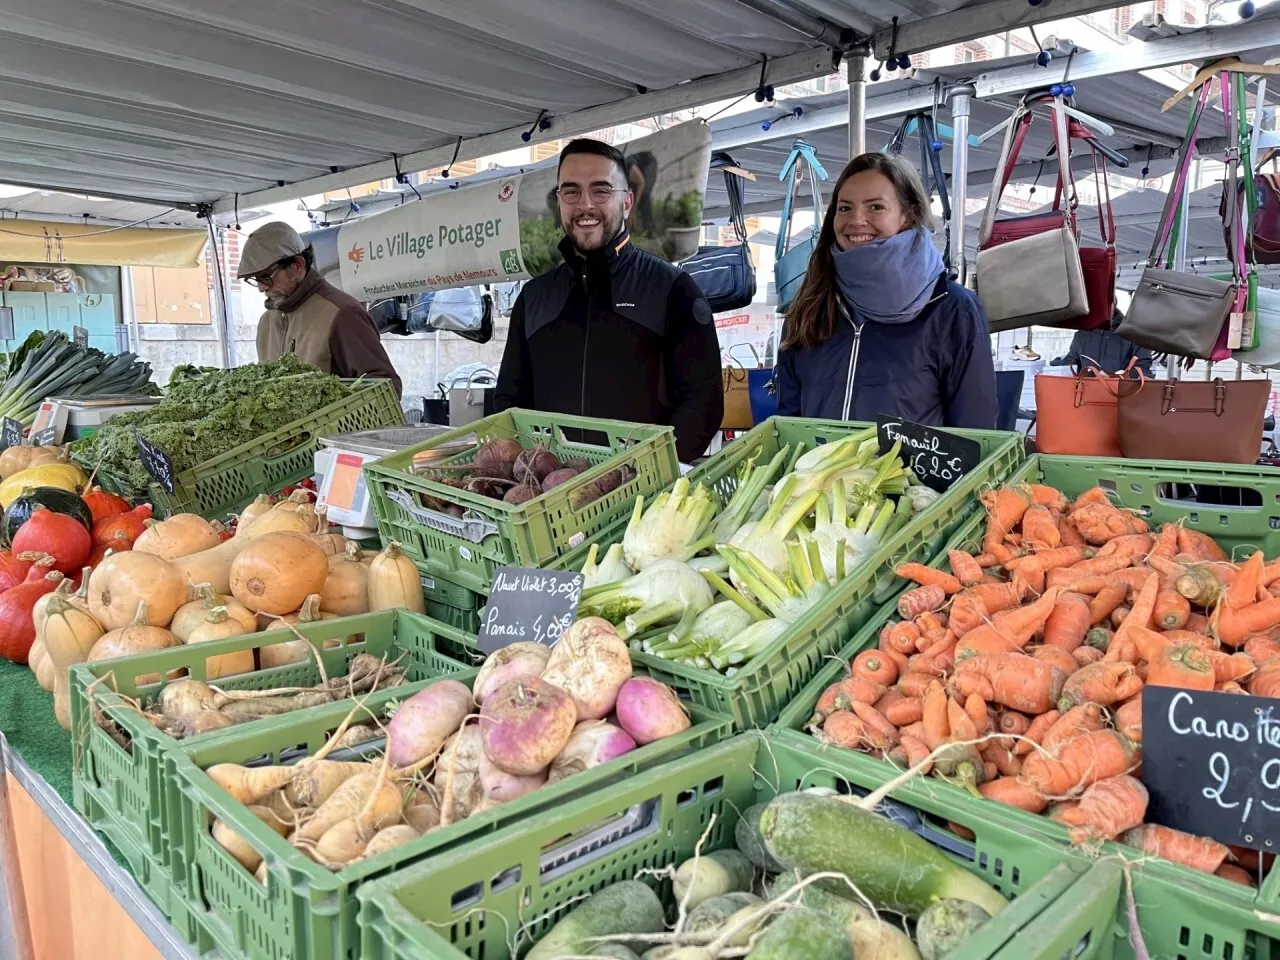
(346, 487)
(10, 433)
(156, 462)
(45, 438)
(1211, 763)
(534, 606)
(936, 457)
(80, 336)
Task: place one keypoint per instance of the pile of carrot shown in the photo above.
(1038, 647)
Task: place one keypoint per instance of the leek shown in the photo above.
(672, 525)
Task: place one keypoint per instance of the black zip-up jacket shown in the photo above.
(619, 334)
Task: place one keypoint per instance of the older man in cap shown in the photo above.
(306, 315)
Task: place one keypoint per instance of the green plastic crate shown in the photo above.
(230, 481)
(1145, 486)
(305, 910)
(493, 534)
(758, 692)
(471, 901)
(121, 792)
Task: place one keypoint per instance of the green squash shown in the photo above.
(51, 498)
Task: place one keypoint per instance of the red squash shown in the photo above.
(17, 629)
(119, 532)
(104, 505)
(57, 535)
(12, 570)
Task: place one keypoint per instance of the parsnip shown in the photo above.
(320, 781)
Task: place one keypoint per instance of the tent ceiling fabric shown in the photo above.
(186, 101)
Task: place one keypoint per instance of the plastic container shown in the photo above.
(119, 787)
(471, 901)
(305, 910)
(466, 551)
(1212, 913)
(227, 483)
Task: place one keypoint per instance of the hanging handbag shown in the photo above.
(1035, 275)
(930, 169)
(1078, 416)
(736, 386)
(725, 275)
(791, 261)
(1175, 312)
(763, 390)
(1219, 421)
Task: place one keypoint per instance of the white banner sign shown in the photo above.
(460, 238)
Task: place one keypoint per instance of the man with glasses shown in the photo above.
(306, 315)
(612, 332)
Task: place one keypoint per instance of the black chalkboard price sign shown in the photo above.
(156, 462)
(936, 457)
(10, 433)
(530, 606)
(46, 437)
(1211, 763)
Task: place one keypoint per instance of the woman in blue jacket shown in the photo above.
(877, 327)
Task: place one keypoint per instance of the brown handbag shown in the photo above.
(1076, 416)
(737, 399)
(1219, 421)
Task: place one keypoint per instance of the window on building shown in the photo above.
(966, 55)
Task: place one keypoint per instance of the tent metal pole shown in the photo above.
(961, 98)
(856, 64)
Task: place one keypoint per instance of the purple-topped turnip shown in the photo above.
(649, 710)
(590, 663)
(593, 742)
(525, 724)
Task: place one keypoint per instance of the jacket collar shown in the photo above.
(309, 285)
(611, 255)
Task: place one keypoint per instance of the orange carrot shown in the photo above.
(1128, 719)
(1005, 507)
(1086, 655)
(1271, 573)
(1262, 649)
(905, 711)
(1198, 853)
(1079, 720)
(1009, 630)
(971, 607)
(1068, 622)
(1107, 599)
(1229, 871)
(1068, 534)
(1234, 627)
(1107, 809)
(931, 621)
(1079, 763)
(1047, 496)
(921, 600)
(842, 693)
(1266, 682)
(1092, 495)
(1199, 545)
(1198, 623)
(1230, 686)
(875, 722)
(843, 729)
(1014, 793)
(1101, 565)
(888, 698)
(1010, 679)
(962, 725)
(1166, 543)
(1006, 761)
(1057, 657)
(1201, 583)
(901, 637)
(927, 576)
(1035, 733)
(1235, 666)
(1144, 605)
(914, 684)
(1244, 589)
(977, 710)
(1100, 683)
(917, 752)
(965, 567)
(913, 730)
(1053, 559)
(1183, 666)
(937, 727)
(874, 666)
(1039, 529)
(1100, 522)
(1118, 616)
(1013, 724)
(1134, 545)
(1171, 610)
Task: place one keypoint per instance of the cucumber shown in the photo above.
(629, 906)
(746, 835)
(802, 933)
(890, 865)
(946, 925)
(615, 950)
(873, 938)
(711, 914)
(712, 875)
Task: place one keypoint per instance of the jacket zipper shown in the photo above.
(586, 344)
(853, 368)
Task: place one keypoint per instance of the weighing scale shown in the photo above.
(83, 416)
(340, 479)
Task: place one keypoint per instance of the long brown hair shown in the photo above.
(812, 316)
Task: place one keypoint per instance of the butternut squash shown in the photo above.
(252, 512)
(293, 651)
(193, 614)
(126, 582)
(333, 544)
(276, 572)
(394, 582)
(139, 636)
(69, 635)
(178, 536)
(218, 625)
(346, 588)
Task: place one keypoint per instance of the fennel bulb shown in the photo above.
(766, 539)
(749, 643)
(670, 528)
(610, 570)
(659, 593)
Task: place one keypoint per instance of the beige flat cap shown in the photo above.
(267, 245)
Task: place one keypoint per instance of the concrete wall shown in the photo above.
(168, 345)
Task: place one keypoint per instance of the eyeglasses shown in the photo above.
(264, 280)
(598, 192)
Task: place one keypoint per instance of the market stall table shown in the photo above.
(63, 894)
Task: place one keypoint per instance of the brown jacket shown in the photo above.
(326, 328)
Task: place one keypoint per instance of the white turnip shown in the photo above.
(424, 721)
(590, 663)
(515, 662)
(525, 724)
(593, 742)
(499, 787)
(650, 710)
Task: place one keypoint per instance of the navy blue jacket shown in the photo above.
(935, 369)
